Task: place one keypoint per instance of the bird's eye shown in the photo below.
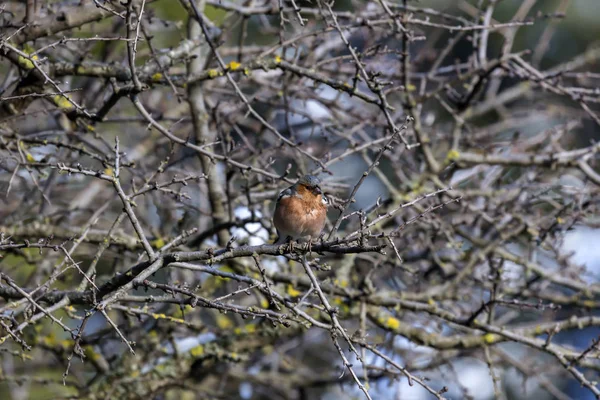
(324, 199)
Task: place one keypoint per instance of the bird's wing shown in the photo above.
(284, 193)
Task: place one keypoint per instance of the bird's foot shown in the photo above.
(291, 245)
(309, 246)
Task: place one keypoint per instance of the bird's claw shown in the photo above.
(291, 245)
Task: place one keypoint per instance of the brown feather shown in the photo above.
(300, 215)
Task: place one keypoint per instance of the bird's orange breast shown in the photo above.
(300, 216)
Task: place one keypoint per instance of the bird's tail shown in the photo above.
(281, 239)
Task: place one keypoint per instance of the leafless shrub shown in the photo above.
(141, 156)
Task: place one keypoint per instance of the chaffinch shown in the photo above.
(301, 210)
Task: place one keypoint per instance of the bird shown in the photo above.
(300, 211)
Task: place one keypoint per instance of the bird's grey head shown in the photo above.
(310, 181)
